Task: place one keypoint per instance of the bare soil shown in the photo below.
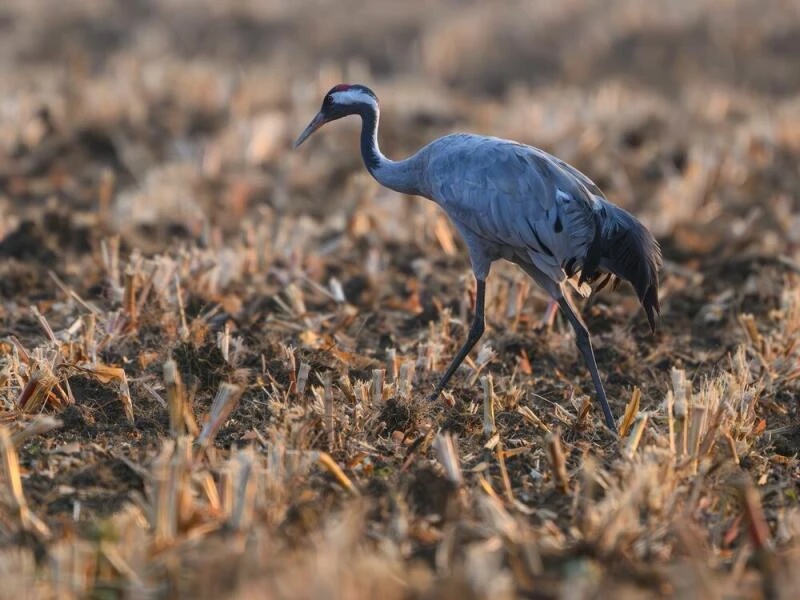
(153, 217)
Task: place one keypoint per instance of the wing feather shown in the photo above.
(514, 197)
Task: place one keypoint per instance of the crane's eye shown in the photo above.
(329, 99)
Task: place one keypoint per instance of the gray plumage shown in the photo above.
(515, 202)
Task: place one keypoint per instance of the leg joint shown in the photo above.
(476, 329)
(581, 335)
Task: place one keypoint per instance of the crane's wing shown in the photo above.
(587, 183)
(516, 198)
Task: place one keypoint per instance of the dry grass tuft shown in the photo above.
(215, 353)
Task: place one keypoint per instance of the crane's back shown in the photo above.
(523, 204)
(514, 197)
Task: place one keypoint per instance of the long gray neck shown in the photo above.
(402, 176)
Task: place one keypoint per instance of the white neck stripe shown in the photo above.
(353, 96)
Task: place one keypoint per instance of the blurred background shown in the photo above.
(170, 122)
(688, 110)
(148, 143)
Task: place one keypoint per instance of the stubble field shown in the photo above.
(215, 352)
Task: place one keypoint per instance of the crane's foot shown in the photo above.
(437, 396)
(613, 427)
(607, 416)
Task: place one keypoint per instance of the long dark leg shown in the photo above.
(475, 333)
(585, 346)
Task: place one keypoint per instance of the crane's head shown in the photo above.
(340, 101)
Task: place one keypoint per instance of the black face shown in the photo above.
(330, 110)
(327, 102)
(329, 106)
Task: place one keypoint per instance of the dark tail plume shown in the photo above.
(630, 252)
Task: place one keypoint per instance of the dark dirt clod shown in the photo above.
(27, 242)
(397, 416)
(429, 492)
(73, 419)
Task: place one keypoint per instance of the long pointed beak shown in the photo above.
(318, 121)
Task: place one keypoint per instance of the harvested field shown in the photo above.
(215, 352)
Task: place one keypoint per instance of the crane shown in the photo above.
(514, 202)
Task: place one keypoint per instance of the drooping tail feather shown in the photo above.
(630, 252)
